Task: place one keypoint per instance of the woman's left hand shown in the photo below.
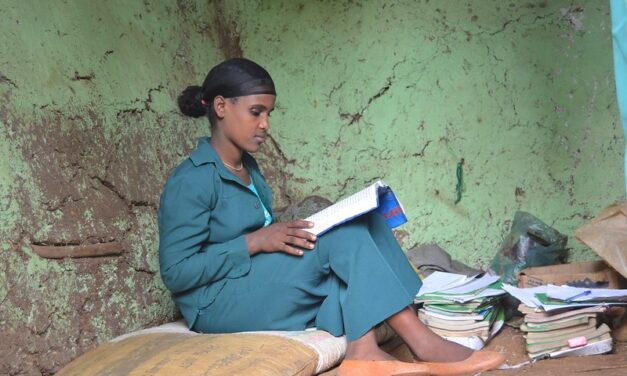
(289, 237)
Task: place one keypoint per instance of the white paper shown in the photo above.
(463, 298)
(347, 208)
(570, 293)
(594, 348)
(453, 317)
(440, 281)
(473, 285)
(526, 296)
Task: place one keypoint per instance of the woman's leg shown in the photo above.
(425, 344)
(366, 348)
(280, 292)
(373, 278)
(374, 275)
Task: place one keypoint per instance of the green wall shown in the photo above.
(89, 133)
(522, 91)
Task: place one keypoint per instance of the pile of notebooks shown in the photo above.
(556, 334)
(462, 309)
(563, 321)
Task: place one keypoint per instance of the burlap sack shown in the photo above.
(167, 354)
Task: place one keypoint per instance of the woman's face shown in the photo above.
(245, 121)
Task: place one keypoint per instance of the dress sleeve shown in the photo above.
(185, 258)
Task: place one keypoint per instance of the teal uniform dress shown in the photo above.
(356, 276)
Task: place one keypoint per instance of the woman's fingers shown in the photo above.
(288, 237)
(303, 234)
(300, 223)
(300, 242)
(292, 250)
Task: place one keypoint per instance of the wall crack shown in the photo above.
(357, 116)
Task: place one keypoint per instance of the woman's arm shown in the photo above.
(185, 259)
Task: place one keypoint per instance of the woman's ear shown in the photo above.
(219, 104)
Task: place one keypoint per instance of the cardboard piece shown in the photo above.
(581, 274)
(606, 234)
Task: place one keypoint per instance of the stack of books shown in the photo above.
(562, 321)
(461, 309)
(558, 333)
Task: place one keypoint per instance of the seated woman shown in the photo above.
(231, 268)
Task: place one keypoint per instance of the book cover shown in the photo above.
(559, 332)
(377, 196)
(558, 324)
(552, 344)
(454, 316)
(539, 317)
(454, 325)
(577, 351)
(480, 332)
(601, 346)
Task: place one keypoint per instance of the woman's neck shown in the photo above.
(230, 154)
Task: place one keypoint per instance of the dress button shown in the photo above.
(257, 205)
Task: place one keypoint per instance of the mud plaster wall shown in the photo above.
(89, 133)
(523, 91)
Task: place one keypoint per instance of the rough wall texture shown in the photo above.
(521, 91)
(89, 133)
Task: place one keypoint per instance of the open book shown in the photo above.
(377, 196)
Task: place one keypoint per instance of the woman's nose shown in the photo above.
(265, 123)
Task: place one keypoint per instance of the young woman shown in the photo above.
(231, 267)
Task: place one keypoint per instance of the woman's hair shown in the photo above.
(231, 78)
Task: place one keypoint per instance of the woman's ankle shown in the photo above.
(364, 353)
(366, 348)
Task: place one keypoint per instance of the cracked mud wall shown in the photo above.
(522, 91)
(403, 90)
(89, 132)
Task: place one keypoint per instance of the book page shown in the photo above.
(346, 209)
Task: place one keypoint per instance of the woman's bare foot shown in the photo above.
(441, 350)
(423, 343)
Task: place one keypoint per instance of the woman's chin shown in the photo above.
(254, 147)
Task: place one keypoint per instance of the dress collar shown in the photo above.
(205, 153)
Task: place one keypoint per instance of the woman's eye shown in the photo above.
(255, 113)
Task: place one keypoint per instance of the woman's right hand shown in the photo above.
(289, 237)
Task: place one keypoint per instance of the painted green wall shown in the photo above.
(522, 91)
(402, 90)
(89, 133)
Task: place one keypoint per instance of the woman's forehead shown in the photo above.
(266, 100)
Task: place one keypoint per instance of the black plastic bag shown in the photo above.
(530, 243)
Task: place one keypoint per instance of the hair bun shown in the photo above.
(190, 102)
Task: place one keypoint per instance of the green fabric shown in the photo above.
(266, 213)
(204, 214)
(356, 277)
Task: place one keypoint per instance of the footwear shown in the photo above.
(350, 367)
(479, 361)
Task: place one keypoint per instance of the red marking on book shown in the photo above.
(393, 212)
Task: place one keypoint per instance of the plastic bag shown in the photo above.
(530, 242)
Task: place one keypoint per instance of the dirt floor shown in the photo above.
(510, 342)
